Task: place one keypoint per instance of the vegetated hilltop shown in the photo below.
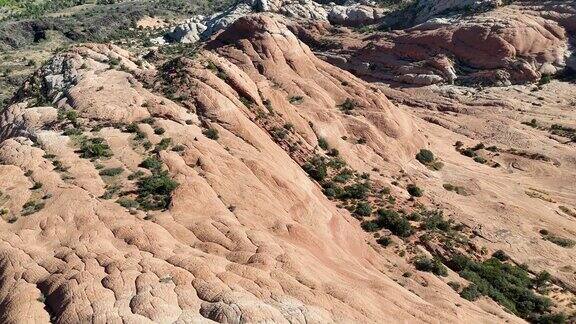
(242, 176)
(32, 31)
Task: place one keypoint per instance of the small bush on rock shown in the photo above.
(414, 190)
(211, 133)
(425, 156)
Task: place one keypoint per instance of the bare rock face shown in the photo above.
(521, 47)
(562, 12)
(307, 9)
(354, 15)
(201, 27)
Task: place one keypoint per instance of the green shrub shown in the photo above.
(72, 116)
(131, 128)
(479, 159)
(268, 104)
(492, 148)
(336, 163)
(94, 148)
(532, 123)
(36, 186)
(151, 163)
(507, 284)
(211, 133)
(154, 191)
(343, 176)
(355, 191)
(479, 146)
(111, 172)
(316, 168)
(363, 209)
(127, 203)
(59, 167)
(500, 255)
(32, 207)
(425, 156)
(470, 292)
(468, 152)
(393, 221)
(435, 166)
(159, 130)
(136, 175)
(163, 145)
(545, 79)
(542, 279)
(384, 241)
(414, 190)
(246, 101)
(111, 191)
(435, 220)
(370, 226)
(457, 189)
(331, 189)
(454, 285)
(435, 266)
(113, 61)
(296, 100)
(348, 105)
(415, 217)
(556, 318)
(278, 133)
(333, 152)
(72, 132)
(560, 241)
(178, 148)
(322, 143)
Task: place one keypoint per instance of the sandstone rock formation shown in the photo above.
(505, 48)
(200, 27)
(501, 47)
(175, 190)
(355, 15)
(247, 236)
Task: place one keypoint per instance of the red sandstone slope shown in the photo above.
(247, 236)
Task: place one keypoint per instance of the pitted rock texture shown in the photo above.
(247, 237)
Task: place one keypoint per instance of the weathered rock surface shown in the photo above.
(501, 47)
(248, 237)
(201, 27)
(521, 47)
(355, 15)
